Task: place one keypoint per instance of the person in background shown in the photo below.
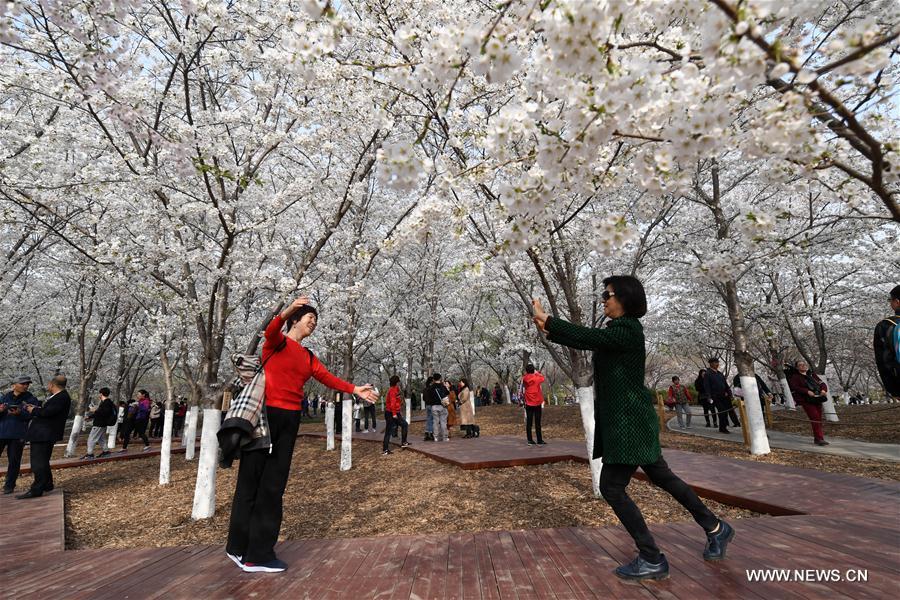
(47, 425)
(809, 393)
(709, 408)
(393, 416)
(718, 389)
(626, 427)
(534, 402)
(681, 396)
(498, 394)
(887, 347)
(369, 413)
(105, 415)
(156, 419)
(430, 401)
(357, 408)
(452, 420)
(466, 410)
(13, 425)
(438, 395)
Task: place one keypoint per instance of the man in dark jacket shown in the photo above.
(104, 416)
(46, 427)
(886, 358)
(718, 389)
(13, 424)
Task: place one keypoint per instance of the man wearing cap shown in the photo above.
(718, 389)
(48, 422)
(13, 424)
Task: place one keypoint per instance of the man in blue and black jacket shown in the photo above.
(48, 422)
(13, 424)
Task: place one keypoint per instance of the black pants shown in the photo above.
(709, 409)
(390, 422)
(139, 428)
(156, 426)
(613, 481)
(256, 510)
(723, 405)
(533, 415)
(369, 411)
(14, 454)
(40, 467)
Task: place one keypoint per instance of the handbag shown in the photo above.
(445, 401)
(814, 384)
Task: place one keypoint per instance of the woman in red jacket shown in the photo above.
(257, 506)
(393, 416)
(809, 392)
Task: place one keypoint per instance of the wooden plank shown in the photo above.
(487, 578)
(533, 563)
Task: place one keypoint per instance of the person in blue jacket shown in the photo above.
(13, 424)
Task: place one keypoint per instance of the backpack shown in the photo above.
(891, 340)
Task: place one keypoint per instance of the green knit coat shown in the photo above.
(626, 427)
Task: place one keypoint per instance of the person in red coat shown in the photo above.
(534, 401)
(256, 510)
(809, 393)
(393, 416)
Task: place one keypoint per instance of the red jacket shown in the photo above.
(673, 399)
(800, 387)
(532, 383)
(394, 401)
(289, 369)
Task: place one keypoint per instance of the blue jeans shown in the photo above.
(429, 420)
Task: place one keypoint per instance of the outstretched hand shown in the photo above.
(294, 306)
(539, 315)
(366, 392)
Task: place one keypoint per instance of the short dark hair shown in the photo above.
(675, 378)
(895, 293)
(60, 381)
(713, 359)
(394, 380)
(529, 368)
(104, 391)
(436, 377)
(143, 392)
(303, 310)
(630, 294)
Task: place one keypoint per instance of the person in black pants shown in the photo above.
(47, 425)
(717, 387)
(392, 416)
(369, 412)
(626, 427)
(257, 507)
(709, 407)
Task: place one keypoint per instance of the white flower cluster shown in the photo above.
(612, 234)
(399, 166)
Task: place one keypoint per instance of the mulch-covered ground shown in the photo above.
(120, 504)
(867, 422)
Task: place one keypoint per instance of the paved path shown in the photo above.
(792, 441)
(839, 522)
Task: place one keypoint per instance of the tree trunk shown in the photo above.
(585, 396)
(346, 435)
(73, 435)
(165, 453)
(190, 433)
(329, 425)
(756, 425)
(113, 430)
(205, 490)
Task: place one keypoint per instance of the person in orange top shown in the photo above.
(256, 510)
(393, 416)
(534, 401)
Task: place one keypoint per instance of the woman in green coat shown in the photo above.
(626, 430)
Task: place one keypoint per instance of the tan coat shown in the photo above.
(466, 408)
(452, 420)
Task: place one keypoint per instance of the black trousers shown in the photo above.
(533, 415)
(613, 481)
(256, 510)
(390, 422)
(14, 455)
(369, 411)
(709, 409)
(139, 428)
(725, 409)
(40, 467)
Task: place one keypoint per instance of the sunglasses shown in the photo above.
(607, 295)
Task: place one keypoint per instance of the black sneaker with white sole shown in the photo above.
(235, 558)
(273, 566)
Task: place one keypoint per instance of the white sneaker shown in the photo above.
(146, 448)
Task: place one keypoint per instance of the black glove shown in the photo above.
(229, 446)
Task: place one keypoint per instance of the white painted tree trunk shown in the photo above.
(165, 451)
(585, 396)
(329, 426)
(786, 391)
(845, 398)
(205, 490)
(409, 410)
(474, 402)
(190, 433)
(73, 436)
(422, 401)
(759, 443)
(113, 430)
(828, 408)
(346, 435)
(507, 397)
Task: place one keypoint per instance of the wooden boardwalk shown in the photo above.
(839, 526)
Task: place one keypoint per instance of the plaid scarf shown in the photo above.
(246, 417)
